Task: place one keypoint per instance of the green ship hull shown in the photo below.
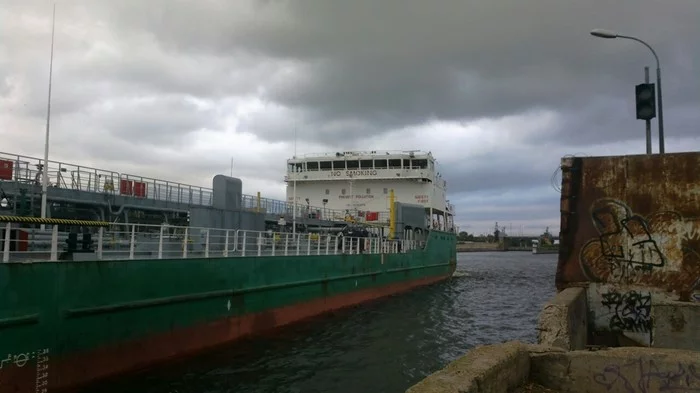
(65, 324)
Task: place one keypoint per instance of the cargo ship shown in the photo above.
(127, 271)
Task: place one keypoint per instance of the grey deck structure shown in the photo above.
(95, 194)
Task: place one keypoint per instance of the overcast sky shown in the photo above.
(498, 90)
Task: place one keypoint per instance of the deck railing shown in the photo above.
(28, 170)
(137, 241)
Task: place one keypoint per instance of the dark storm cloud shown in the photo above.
(396, 63)
(364, 67)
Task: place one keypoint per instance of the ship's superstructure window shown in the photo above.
(420, 164)
(356, 164)
(342, 191)
(386, 190)
(369, 191)
(328, 192)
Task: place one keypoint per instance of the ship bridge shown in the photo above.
(359, 181)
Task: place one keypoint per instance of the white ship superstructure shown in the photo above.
(360, 183)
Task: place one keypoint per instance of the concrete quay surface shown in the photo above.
(564, 360)
(511, 366)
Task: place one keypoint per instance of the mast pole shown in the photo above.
(45, 168)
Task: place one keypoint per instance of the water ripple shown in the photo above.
(385, 346)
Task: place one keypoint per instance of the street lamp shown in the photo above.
(602, 33)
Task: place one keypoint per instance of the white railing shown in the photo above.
(29, 170)
(136, 241)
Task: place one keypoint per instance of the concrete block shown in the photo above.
(563, 321)
(623, 370)
(485, 369)
(675, 325)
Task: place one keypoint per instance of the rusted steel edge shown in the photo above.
(23, 320)
(571, 177)
(78, 312)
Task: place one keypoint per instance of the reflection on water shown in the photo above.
(385, 346)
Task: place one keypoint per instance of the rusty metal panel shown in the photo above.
(632, 221)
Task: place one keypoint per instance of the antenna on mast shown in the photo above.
(45, 167)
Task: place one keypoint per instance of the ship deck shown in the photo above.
(93, 186)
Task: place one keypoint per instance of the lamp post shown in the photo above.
(602, 33)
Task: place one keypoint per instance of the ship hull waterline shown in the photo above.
(78, 368)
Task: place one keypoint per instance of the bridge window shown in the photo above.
(326, 165)
(296, 167)
(353, 164)
(420, 164)
(396, 163)
(366, 164)
(312, 166)
(338, 164)
(380, 164)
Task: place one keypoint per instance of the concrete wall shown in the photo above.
(617, 370)
(630, 233)
(603, 315)
(503, 368)
(563, 322)
(489, 368)
(676, 325)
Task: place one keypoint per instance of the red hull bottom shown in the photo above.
(80, 369)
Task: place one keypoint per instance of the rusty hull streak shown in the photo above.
(631, 220)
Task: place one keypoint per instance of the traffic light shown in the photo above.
(645, 96)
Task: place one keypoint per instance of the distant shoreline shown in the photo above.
(489, 247)
(485, 247)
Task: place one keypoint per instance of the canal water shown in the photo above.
(384, 346)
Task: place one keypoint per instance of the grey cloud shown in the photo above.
(534, 208)
(369, 66)
(162, 119)
(394, 63)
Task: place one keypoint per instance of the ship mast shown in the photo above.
(45, 168)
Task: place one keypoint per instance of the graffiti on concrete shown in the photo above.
(630, 311)
(645, 375)
(660, 250)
